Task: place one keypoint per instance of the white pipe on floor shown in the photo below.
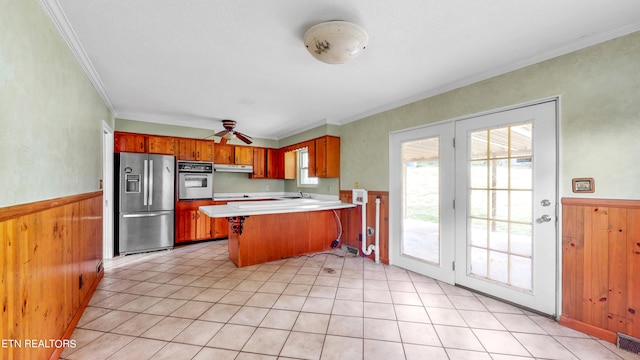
(365, 250)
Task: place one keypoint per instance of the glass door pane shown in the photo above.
(421, 214)
(500, 202)
(421, 199)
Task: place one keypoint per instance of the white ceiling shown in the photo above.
(195, 62)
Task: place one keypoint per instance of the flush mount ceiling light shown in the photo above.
(335, 42)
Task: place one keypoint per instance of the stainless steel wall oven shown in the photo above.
(195, 180)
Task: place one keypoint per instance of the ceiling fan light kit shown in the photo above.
(229, 133)
(335, 42)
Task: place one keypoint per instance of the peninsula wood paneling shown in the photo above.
(600, 266)
(352, 222)
(47, 247)
(279, 236)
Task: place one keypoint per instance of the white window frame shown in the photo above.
(303, 179)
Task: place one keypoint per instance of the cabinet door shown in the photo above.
(321, 157)
(332, 157)
(186, 149)
(223, 154)
(203, 226)
(220, 228)
(204, 150)
(243, 155)
(129, 142)
(313, 166)
(259, 163)
(275, 164)
(161, 145)
(182, 221)
(220, 225)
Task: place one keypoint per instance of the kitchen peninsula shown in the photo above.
(262, 231)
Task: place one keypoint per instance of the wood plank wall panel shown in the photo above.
(617, 270)
(352, 227)
(600, 266)
(633, 271)
(46, 247)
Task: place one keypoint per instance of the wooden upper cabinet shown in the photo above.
(243, 155)
(259, 163)
(204, 150)
(223, 154)
(195, 149)
(129, 142)
(161, 145)
(324, 157)
(186, 149)
(275, 164)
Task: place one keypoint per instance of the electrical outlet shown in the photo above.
(370, 231)
(268, 187)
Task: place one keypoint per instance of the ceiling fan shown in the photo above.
(228, 133)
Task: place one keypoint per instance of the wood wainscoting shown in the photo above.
(601, 266)
(352, 226)
(50, 264)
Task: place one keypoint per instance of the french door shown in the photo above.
(495, 228)
(422, 192)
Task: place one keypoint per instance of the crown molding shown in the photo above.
(579, 44)
(54, 10)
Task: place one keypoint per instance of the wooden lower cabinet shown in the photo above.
(191, 223)
(600, 266)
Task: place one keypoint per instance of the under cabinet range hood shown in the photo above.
(233, 168)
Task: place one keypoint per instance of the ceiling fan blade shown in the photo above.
(243, 137)
(221, 133)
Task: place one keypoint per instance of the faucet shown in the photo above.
(301, 195)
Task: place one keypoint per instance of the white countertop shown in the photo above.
(268, 196)
(281, 206)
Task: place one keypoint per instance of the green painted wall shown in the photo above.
(599, 89)
(50, 114)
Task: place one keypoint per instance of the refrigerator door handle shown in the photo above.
(147, 214)
(150, 182)
(145, 188)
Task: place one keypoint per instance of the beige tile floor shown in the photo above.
(193, 303)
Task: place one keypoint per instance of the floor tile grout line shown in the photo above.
(347, 270)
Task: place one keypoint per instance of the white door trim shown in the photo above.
(107, 191)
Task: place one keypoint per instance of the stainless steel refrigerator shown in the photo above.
(146, 202)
